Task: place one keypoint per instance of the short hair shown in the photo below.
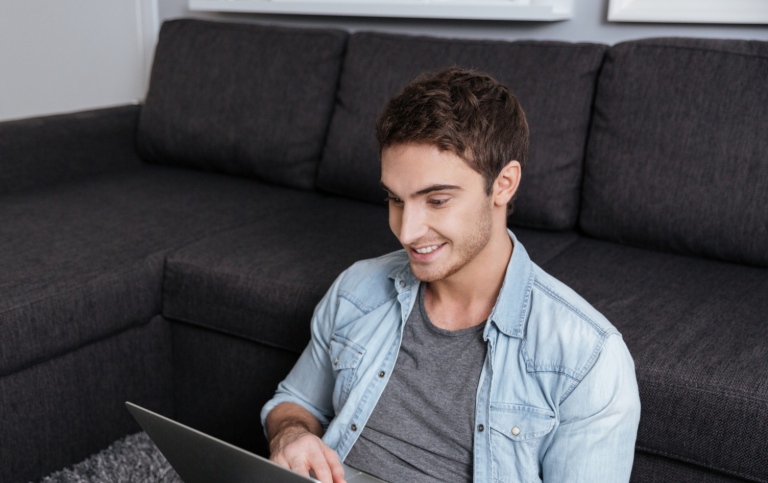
(463, 111)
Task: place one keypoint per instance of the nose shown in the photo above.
(413, 224)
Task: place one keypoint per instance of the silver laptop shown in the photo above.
(199, 458)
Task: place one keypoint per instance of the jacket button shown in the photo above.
(336, 362)
(480, 428)
(515, 431)
(402, 283)
(353, 427)
(382, 374)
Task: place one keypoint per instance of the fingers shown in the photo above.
(337, 471)
(319, 465)
(309, 453)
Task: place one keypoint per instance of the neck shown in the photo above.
(467, 297)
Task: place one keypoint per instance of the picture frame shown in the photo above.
(689, 11)
(525, 10)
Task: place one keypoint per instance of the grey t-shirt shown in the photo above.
(422, 429)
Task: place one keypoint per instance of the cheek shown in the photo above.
(471, 219)
(395, 221)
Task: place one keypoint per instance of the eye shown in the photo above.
(437, 202)
(393, 200)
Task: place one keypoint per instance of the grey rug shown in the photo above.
(133, 459)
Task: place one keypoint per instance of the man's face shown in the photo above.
(438, 209)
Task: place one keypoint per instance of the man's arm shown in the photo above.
(294, 442)
(598, 423)
(302, 406)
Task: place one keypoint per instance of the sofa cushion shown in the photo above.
(676, 159)
(650, 468)
(544, 245)
(84, 260)
(241, 99)
(697, 330)
(553, 81)
(263, 281)
(32, 148)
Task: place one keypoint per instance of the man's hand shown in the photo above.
(299, 450)
(294, 442)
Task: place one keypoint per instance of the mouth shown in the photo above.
(425, 253)
(426, 250)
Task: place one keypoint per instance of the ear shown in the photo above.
(505, 186)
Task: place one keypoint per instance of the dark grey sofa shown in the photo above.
(171, 254)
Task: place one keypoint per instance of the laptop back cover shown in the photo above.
(199, 458)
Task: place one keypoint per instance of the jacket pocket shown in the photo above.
(345, 359)
(517, 433)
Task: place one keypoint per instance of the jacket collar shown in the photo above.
(513, 303)
(514, 300)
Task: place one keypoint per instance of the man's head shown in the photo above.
(452, 145)
(465, 112)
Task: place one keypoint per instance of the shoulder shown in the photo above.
(564, 333)
(370, 283)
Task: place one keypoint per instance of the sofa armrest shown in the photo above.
(45, 150)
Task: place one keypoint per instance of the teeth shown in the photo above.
(427, 249)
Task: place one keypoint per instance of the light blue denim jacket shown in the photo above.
(557, 399)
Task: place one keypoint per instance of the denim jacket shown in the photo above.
(557, 399)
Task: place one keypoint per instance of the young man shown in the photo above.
(456, 358)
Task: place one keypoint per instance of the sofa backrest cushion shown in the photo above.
(677, 158)
(243, 99)
(553, 81)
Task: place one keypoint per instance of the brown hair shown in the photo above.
(462, 111)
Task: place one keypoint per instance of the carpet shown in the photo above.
(133, 459)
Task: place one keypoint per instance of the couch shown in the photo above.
(171, 253)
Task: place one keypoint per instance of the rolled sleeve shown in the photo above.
(595, 440)
(310, 383)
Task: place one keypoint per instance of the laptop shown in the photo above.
(199, 458)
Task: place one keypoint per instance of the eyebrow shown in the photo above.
(427, 190)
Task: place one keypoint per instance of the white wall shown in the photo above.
(67, 55)
(588, 24)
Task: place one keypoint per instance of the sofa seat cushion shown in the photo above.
(652, 468)
(544, 245)
(243, 99)
(676, 157)
(84, 260)
(263, 281)
(697, 332)
(554, 82)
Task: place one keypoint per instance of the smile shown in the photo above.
(427, 249)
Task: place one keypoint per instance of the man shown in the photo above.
(456, 358)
